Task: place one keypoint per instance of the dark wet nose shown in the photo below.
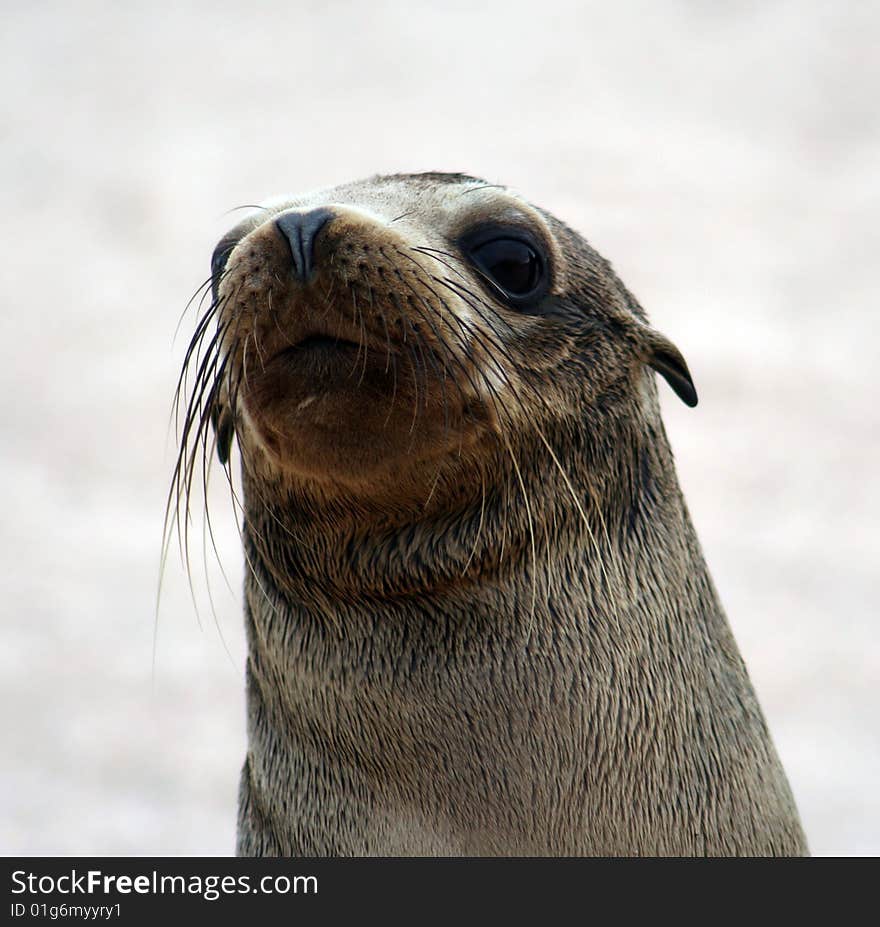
(301, 229)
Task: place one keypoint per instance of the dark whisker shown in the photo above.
(485, 186)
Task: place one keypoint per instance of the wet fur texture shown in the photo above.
(484, 627)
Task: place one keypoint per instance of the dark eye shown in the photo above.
(218, 259)
(218, 263)
(512, 264)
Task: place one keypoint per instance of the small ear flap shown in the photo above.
(221, 419)
(666, 359)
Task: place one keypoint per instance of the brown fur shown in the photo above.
(479, 618)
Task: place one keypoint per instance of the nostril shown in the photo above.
(300, 229)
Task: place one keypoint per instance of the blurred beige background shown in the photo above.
(724, 156)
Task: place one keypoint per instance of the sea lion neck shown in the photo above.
(503, 520)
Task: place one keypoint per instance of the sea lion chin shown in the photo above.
(479, 619)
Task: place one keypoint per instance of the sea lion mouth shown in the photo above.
(320, 344)
(328, 350)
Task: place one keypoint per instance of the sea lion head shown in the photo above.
(365, 335)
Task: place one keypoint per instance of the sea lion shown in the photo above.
(479, 619)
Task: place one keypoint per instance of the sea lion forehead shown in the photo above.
(429, 202)
(385, 195)
(428, 209)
